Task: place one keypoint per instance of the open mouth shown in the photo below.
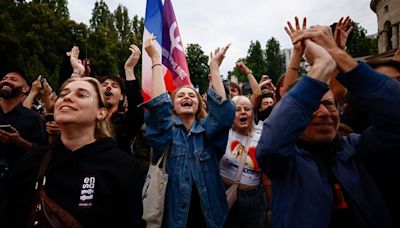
(5, 85)
(186, 103)
(243, 120)
(108, 94)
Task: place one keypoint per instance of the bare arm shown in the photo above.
(256, 90)
(131, 62)
(215, 62)
(77, 68)
(48, 96)
(157, 82)
(36, 87)
(292, 72)
(342, 31)
(322, 64)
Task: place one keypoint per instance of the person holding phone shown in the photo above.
(40, 85)
(27, 126)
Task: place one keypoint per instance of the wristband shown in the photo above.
(294, 68)
(156, 64)
(249, 72)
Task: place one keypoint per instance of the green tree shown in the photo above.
(254, 61)
(198, 66)
(359, 44)
(103, 41)
(274, 59)
(35, 42)
(101, 16)
(137, 30)
(124, 35)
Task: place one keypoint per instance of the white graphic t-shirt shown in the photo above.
(234, 151)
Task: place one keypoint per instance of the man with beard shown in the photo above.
(27, 126)
(126, 123)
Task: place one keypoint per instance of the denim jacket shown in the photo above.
(302, 194)
(193, 158)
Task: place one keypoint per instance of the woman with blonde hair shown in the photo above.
(87, 175)
(249, 208)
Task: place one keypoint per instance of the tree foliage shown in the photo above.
(36, 34)
(198, 66)
(274, 59)
(359, 44)
(254, 61)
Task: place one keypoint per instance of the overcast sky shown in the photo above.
(213, 23)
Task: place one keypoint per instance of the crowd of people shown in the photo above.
(316, 150)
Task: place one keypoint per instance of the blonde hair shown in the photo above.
(238, 99)
(103, 127)
(201, 111)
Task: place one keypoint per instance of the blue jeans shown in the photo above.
(248, 210)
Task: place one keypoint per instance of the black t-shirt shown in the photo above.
(30, 126)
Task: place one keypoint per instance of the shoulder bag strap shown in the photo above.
(243, 160)
(43, 168)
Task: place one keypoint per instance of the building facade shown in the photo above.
(388, 13)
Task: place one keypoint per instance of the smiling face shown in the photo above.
(79, 103)
(244, 116)
(325, 121)
(186, 102)
(13, 85)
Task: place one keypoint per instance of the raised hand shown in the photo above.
(242, 67)
(322, 63)
(76, 63)
(294, 33)
(219, 55)
(37, 85)
(133, 58)
(151, 49)
(342, 31)
(322, 35)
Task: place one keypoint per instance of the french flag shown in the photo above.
(152, 25)
(161, 22)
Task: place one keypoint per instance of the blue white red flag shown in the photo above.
(161, 22)
(152, 25)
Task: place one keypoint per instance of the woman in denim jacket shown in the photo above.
(195, 194)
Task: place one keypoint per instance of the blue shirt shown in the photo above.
(302, 193)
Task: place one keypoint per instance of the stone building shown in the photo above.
(388, 13)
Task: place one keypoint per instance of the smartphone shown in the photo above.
(42, 80)
(6, 127)
(49, 117)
